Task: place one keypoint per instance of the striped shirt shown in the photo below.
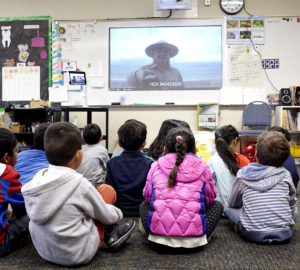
(267, 196)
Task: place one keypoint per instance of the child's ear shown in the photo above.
(101, 138)
(195, 151)
(143, 145)
(120, 144)
(78, 158)
(165, 150)
(6, 158)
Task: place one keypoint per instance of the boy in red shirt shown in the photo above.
(14, 227)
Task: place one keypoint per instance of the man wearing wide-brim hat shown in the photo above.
(159, 74)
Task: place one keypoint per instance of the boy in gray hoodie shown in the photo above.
(263, 198)
(67, 214)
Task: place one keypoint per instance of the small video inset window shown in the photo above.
(77, 78)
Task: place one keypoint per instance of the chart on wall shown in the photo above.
(25, 58)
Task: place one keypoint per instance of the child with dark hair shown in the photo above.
(33, 160)
(156, 149)
(127, 172)
(225, 164)
(290, 163)
(68, 216)
(94, 155)
(263, 200)
(180, 208)
(13, 227)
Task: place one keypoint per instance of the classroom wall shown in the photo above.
(122, 9)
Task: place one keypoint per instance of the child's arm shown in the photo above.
(109, 178)
(104, 159)
(210, 189)
(147, 191)
(293, 198)
(235, 200)
(94, 206)
(15, 198)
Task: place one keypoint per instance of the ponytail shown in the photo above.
(227, 155)
(180, 147)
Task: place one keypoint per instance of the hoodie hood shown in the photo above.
(260, 177)
(43, 196)
(190, 169)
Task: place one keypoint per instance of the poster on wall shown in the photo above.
(245, 29)
(25, 58)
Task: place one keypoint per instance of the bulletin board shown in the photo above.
(87, 44)
(282, 36)
(25, 59)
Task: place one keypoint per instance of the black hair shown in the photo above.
(272, 149)
(156, 148)
(223, 137)
(8, 142)
(38, 137)
(180, 140)
(91, 133)
(132, 134)
(62, 140)
(286, 134)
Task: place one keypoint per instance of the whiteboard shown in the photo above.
(88, 42)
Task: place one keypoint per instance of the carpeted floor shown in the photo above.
(225, 251)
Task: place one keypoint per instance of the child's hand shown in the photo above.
(11, 215)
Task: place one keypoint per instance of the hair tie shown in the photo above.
(178, 138)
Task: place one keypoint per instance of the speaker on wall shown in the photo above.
(285, 96)
(297, 96)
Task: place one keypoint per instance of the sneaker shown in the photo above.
(119, 234)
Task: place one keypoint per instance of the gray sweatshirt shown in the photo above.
(93, 165)
(61, 205)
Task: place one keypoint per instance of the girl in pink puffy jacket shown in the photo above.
(180, 208)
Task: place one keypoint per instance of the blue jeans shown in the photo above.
(233, 214)
(16, 235)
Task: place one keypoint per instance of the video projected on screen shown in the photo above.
(165, 58)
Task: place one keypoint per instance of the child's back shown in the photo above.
(127, 172)
(95, 156)
(179, 191)
(225, 164)
(64, 208)
(269, 199)
(264, 194)
(182, 204)
(33, 160)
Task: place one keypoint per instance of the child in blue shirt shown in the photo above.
(127, 172)
(33, 160)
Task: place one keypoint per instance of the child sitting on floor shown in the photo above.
(94, 155)
(127, 172)
(68, 216)
(225, 164)
(156, 149)
(33, 160)
(13, 229)
(180, 208)
(263, 198)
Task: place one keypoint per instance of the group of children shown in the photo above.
(71, 198)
